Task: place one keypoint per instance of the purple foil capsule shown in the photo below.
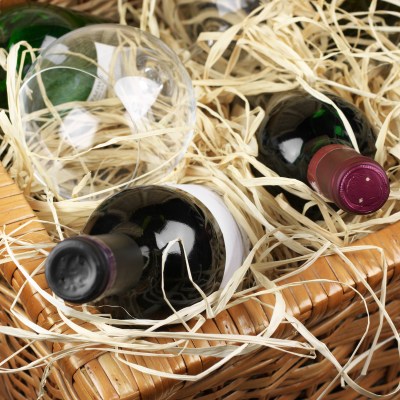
(355, 183)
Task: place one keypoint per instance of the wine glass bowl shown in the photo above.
(103, 107)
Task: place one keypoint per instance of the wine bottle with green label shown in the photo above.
(134, 248)
(39, 25)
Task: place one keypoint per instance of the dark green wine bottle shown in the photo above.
(39, 25)
(118, 260)
(305, 139)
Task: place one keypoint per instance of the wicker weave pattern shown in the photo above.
(328, 308)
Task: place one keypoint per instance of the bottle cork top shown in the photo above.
(78, 269)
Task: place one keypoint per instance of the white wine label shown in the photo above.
(99, 90)
(60, 53)
(236, 246)
(105, 54)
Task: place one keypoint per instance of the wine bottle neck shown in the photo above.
(86, 268)
(354, 182)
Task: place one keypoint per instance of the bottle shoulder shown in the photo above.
(146, 204)
(297, 114)
(297, 124)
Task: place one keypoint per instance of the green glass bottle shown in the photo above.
(39, 25)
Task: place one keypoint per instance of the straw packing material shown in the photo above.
(279, 46)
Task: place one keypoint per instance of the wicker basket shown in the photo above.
(331, 311)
